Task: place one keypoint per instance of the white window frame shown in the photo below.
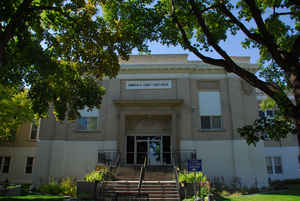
(273, 165)
(82, 116)
(211, 116)
(2, 164)
(26, 158)
(37, 131)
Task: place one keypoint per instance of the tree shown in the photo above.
(60, 50)
(17, 110)
(201, 25)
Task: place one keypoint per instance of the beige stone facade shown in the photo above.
(157, 97)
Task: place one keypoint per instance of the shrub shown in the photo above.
(186, 177)
(99, 175)
(68, 186)
(203, 185)
(52, 188)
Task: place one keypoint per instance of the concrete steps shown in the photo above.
(155, 190)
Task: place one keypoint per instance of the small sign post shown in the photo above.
(194, 165)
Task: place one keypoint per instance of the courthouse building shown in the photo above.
(159, 106)
(163, 107)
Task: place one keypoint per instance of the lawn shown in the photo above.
(33, 198)
(290, 194)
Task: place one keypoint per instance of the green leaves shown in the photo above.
(267, 129)
(15, 109)
(62, 49)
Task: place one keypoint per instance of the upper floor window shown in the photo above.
(268, 113)
(273, 165)
(210, 109)
(33, 131)
(89, 119)
(29, 165)
(4, 164)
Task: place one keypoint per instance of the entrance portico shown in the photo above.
(148, 128)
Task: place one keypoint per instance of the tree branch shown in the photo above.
(16, 20)
(218, 62)
(279, 56)
(285, 13)
(269, 88)
(296, 49)
(45, 8)
(253, 36)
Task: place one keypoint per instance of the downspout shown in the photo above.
(231, 125)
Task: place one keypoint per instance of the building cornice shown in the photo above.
(149, 103)
(180, 68)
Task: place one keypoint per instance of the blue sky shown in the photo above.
(232, 46)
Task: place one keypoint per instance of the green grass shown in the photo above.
(290, 194)
(33, 198)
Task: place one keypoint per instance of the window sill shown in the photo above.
(211, 130)
(87, 131)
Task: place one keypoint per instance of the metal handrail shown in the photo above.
(142, 175)
(176, 170)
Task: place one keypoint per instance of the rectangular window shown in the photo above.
(270, 113)
(33, 132)
(210, 109)
(274, 165)
(29, 165)
(269, 165)
(6, 163)
(261, 113)
(205, 122)
(89, 119)
(277, 165)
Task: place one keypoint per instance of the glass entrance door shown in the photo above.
(154, 154)
(156, 148)
(142, 151)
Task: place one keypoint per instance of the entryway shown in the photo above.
(157, 149)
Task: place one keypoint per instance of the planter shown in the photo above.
(188, 189)
(86, 190)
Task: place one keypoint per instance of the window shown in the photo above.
(269, 165)
(4, 164)
(34, 131)
(210, 110)
(89, 119)
(268, 114)
(273, 165)
(277, 165)
(29, 165)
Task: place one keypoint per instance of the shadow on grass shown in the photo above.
(33, 198)
(220, 198)
(291, 192)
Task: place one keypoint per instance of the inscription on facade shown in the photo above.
(149, 84)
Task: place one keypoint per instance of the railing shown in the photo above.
(180, 157)
(142, 175)
(176, 171)
(108, 157)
